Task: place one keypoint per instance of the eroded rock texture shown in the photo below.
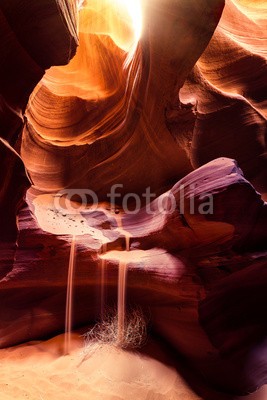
(156, 111)
(27, 48)
(182, 256)
(114, 113)
(228, 89)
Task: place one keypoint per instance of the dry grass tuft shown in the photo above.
(106, 331)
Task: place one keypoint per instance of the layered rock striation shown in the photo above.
(170, 98)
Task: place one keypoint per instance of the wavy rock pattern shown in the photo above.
(25, 54)
(140, 112)
(86, 119)
(228, 89)
(167, 282)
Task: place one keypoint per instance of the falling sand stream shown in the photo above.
(121, 305)
(103, 282)
(69, 299)
(122, 294)
(54, 219)
(122, 277)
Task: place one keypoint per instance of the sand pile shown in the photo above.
(39, 371)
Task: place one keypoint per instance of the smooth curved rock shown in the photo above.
(166, 281)
(25, 53)
(228, 92)
(141, 113)
(209, 209)
(233, 315)
(87, 133)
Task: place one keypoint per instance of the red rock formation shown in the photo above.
(25, 54)
(100, 117)
(228, 90)
(139, 113)
(233, 315)
(166, 281)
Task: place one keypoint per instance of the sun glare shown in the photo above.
(98, 68)
(134, 9)
(114, 17)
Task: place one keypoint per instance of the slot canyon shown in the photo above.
(133, 199)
